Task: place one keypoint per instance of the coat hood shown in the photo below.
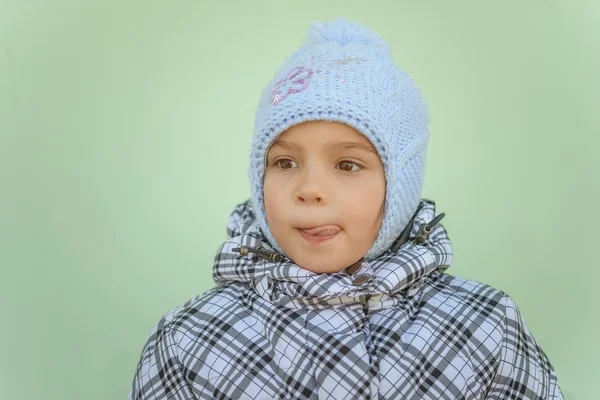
(422, 249)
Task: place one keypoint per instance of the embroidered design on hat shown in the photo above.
(295, 81)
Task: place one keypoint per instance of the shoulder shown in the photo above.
(469, 297)
(210, 310)
(203, 320)
(177, 341)
(219, 301)
(503, 339)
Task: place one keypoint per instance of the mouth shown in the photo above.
(319, 234)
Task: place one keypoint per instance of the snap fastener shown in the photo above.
(354, 267)
(361, 279)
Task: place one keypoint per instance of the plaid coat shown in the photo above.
(397, 327)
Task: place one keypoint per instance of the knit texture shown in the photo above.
(345, 73)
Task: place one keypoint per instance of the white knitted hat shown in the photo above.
(345, 73)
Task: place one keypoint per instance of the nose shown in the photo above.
(311, 189)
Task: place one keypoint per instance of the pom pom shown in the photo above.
(343, 32)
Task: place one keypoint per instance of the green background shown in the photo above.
(125, 129)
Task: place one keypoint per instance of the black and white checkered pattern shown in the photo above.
(277, 331)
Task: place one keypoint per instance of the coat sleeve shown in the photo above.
(159, 373)
(523, 370)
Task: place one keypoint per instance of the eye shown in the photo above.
(285, 163)
(348, 166)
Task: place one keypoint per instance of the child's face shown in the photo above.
(325, 175)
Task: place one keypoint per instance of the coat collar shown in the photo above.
(248, 257)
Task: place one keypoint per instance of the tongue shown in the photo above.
(327, 230)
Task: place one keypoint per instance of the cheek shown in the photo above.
(370, 191)
(364, 212)
(363, 207)
(272, 198)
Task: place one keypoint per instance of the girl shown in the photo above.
(333, 284)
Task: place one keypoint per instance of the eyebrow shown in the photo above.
(354, 145)
(342, 144)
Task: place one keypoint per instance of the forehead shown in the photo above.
(321, 133)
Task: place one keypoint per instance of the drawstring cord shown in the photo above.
(269, 255)
(422, 235)
(426, 229)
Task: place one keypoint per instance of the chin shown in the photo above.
(319, 265)
(320, 257)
